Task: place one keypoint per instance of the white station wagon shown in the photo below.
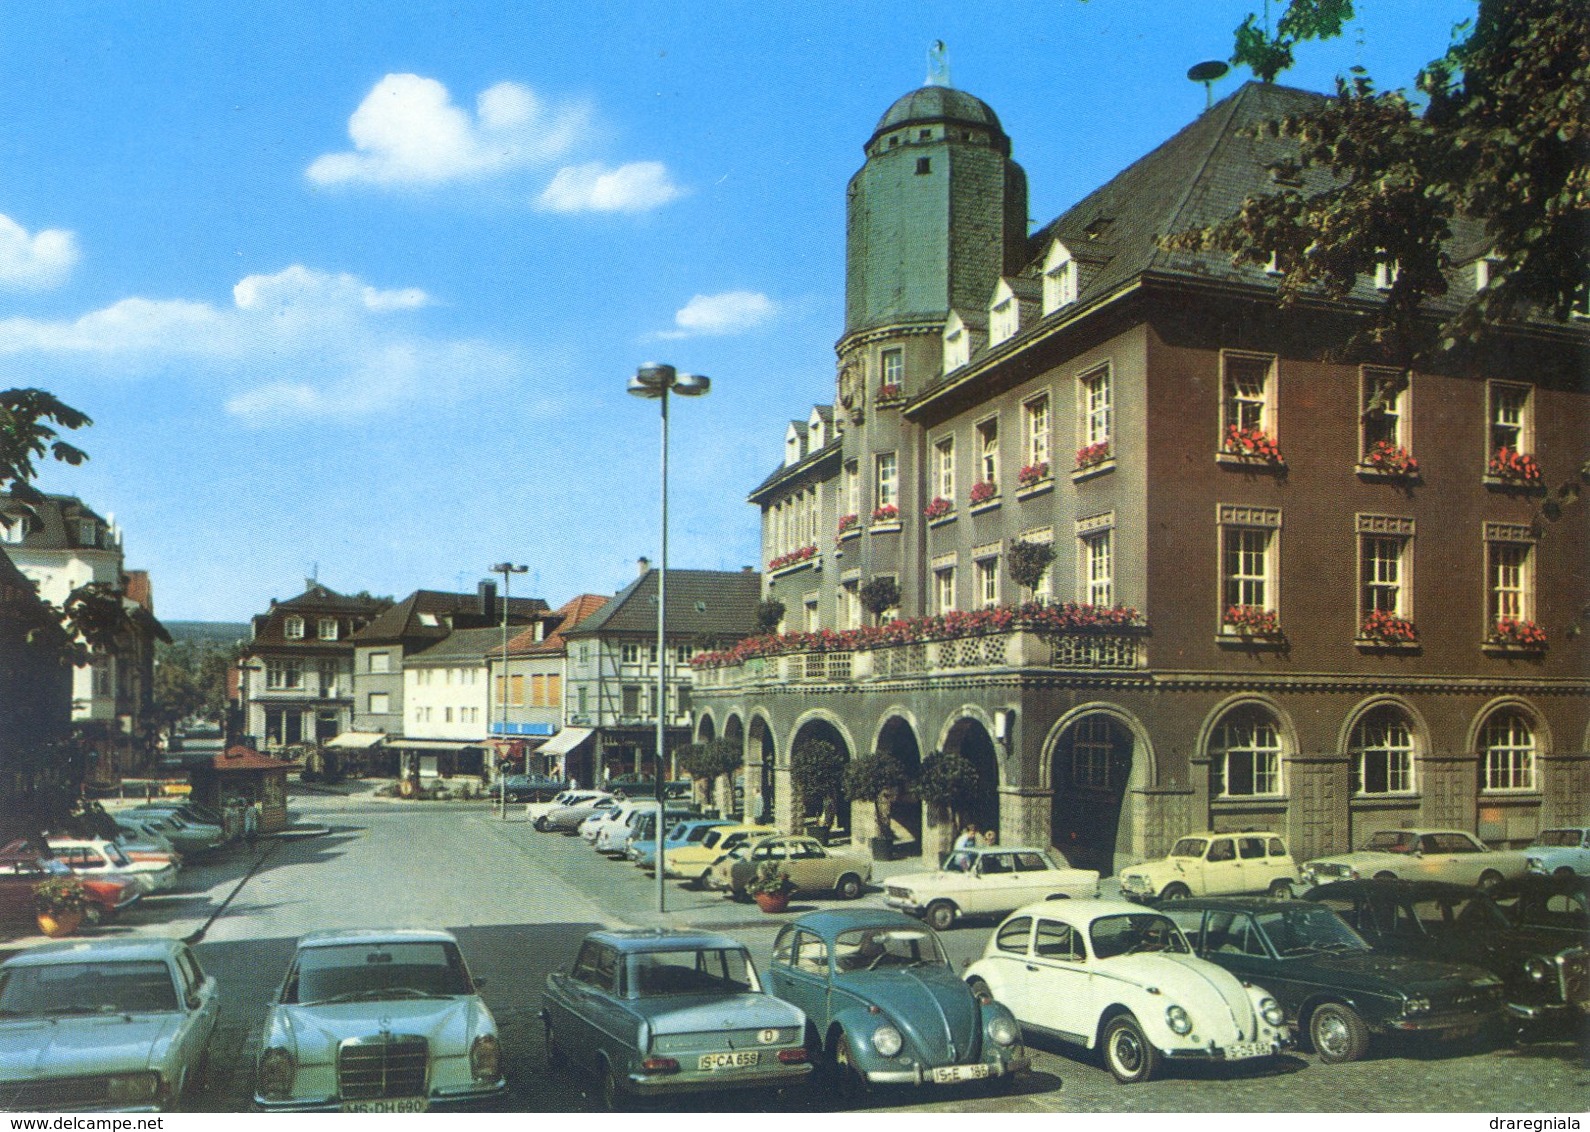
(1215, 864)
(1563, 850)
(987, 882)
(1114, 975)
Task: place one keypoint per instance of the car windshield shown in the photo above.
(340, 972)
(1189, 847)
(1558, 838)
(961, 862)
(872, 949)
(1304, 928)
(1135, 933)
(702, 970)
(140, 987)
(1392, 841)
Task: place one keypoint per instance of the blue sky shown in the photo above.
(354, 288)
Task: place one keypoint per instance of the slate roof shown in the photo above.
(715, 605)
(937, 104)
(792, 471)
(459, 645)
(323, 600)
(402, 620)
(52, 524)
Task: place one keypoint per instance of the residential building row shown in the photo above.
(1290, 588)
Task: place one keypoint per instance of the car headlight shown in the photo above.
(485, 1058)
(1271, 1011)
(1004, 1031)
(1418, 1005)
(887, 1040)
(275, 1073)
(1537, 969)
(132, 1088)
(1176, 1018)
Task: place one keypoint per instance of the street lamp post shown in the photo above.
(653, 382)
(507, 570)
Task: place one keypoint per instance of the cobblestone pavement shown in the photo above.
(520, 901)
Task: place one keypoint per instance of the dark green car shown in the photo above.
(1333, 987)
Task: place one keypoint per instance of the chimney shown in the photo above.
(488, 600)
(644, 565)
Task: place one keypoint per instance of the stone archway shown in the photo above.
(761, 785)
(706, 729)
(813, 809)
(1091, 769)
(896, 737)
(735, 802)
(971, 739)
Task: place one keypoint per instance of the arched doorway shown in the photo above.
(734, 732)
(706, 730)
(898, 739)
(971, 740)
(759, 756)
(829, 808)
(1091, 768)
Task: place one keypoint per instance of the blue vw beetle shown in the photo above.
(886, 1007)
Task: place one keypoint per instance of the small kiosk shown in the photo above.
(243, 773)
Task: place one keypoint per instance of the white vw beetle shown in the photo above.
(378, 1021)
(1113, 974)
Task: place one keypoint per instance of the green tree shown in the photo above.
(768, 614)
(26, 434)
(950, 785)
(1026, 563)
(879, 595)
(878, 778)
(1267, 53)
(817, 775)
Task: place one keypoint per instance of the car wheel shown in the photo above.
(193, 1083)
(849, 887)
(1564, 871)
(541, 825)
(940, 915)
(848, 1077)
(1127, 1052)
(1337, 1033)
(1175, 890)
(1489, 879)
(1281, 888)
(701, 881)
(614, 1098)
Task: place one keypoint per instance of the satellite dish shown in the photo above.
(1207, 72)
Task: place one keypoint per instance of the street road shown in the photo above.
(520, 901)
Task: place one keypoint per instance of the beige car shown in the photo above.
(694, 862)
(810, 864)
(1212, 863)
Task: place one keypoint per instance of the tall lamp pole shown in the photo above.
(507, 570)
(653, 382)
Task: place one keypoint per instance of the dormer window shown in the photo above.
(957, 345)
(1059, 278)
(1386, 275)
(293, 628)
(1484, 271)
(1004, 314)
(87, 533)
(328, 629)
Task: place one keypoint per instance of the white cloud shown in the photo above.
(35, 263)
(731, 312)
(408, 132)
(332, 332)
(635, 187)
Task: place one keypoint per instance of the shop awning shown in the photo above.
(355, 740)
(565, 741)
(434, 745)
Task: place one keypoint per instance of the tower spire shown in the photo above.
(938, 64)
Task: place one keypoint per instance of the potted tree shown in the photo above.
(707, 762)
(879, 596)
(60, 902)
(950, 786)
(1027, 562)
(880, 779)
(771, 887)
(769, 614)
(817, 774)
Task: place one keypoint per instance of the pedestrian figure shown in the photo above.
(251, 816)
(990, 837)
(968, 837)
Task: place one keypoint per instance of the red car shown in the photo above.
(106, 896)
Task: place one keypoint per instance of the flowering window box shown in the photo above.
(1383, 630)
(984, 496)
(1512, 634)
(889, 392)
(794, 558)
(1389, 461)
(1511, 468)
(1250, 447)
(886, 518)
(849, 527)
(940, 510)
(1249, 623)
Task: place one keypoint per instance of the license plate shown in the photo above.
(739, 1060)
(949, 1074)
(393, 1104)
(1240, 1051)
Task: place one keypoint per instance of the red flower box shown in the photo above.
(1033, 474)
(1513, 631)
(1393, 459)
(792, 557)
(1252, 443)
(1251, 621)
(1510, 464)
(939, 508)
(847, 523)
(983, 491)
(1388, 627)
(889, 392)
(1093, 454)
(888, 513)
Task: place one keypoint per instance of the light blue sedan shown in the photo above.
(643, 851)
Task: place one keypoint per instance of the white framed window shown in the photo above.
(1092, 750)
(891, 367)
(447, 715)
(1384, 566)
(1245, 755)
(380, 703)
(1093, 406)
(293, 628)
(684, 653)
(327, 629)
(987, 578)
(1382, 754)
(1383, 409)
(852, 488)
(988, 451)
(886, 484)
(850, 604)
(957, 344)
(87, 532)
(1098, 571)
(328, 678)
(380, 662)
(944, 589)
(944, 468)
(1511, 423)
(1035, 421)
(1059, 278)
(1510, 564)
(1247, 394)
(812, 622)
(1043, 593)
(629, 653)
(1003, 319)
(1507, 754)
(1247, 567)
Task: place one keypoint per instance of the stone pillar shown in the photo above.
(1565, 787)
(784, 815)
(1166, 814)
(938, 835)
(863, 823)
(1449, 785)
(753, 785)
(1317, 815)
(1025, 816)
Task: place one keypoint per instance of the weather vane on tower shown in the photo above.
(938, 64)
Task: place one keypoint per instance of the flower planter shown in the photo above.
(771, 902)
(58, 924)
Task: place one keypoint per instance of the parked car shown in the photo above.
(1112, 975)
(144, 843)
(641, 848)
(987, 881)
(812, 866)
(189, 839)
(1211, 863)
(378, 1020)
(98, 857)
(567, 819)
(534, 810)
(108, 897)
(528, 788)
(614, 840)
(1333, 987)
(680, 834)
(694, 862)
(1541, 978)
(610, 822)
(1557, 904)
(651, 1012)
(886, 1007)
(1565, 849)
(1451, 855)
(104, 1026)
